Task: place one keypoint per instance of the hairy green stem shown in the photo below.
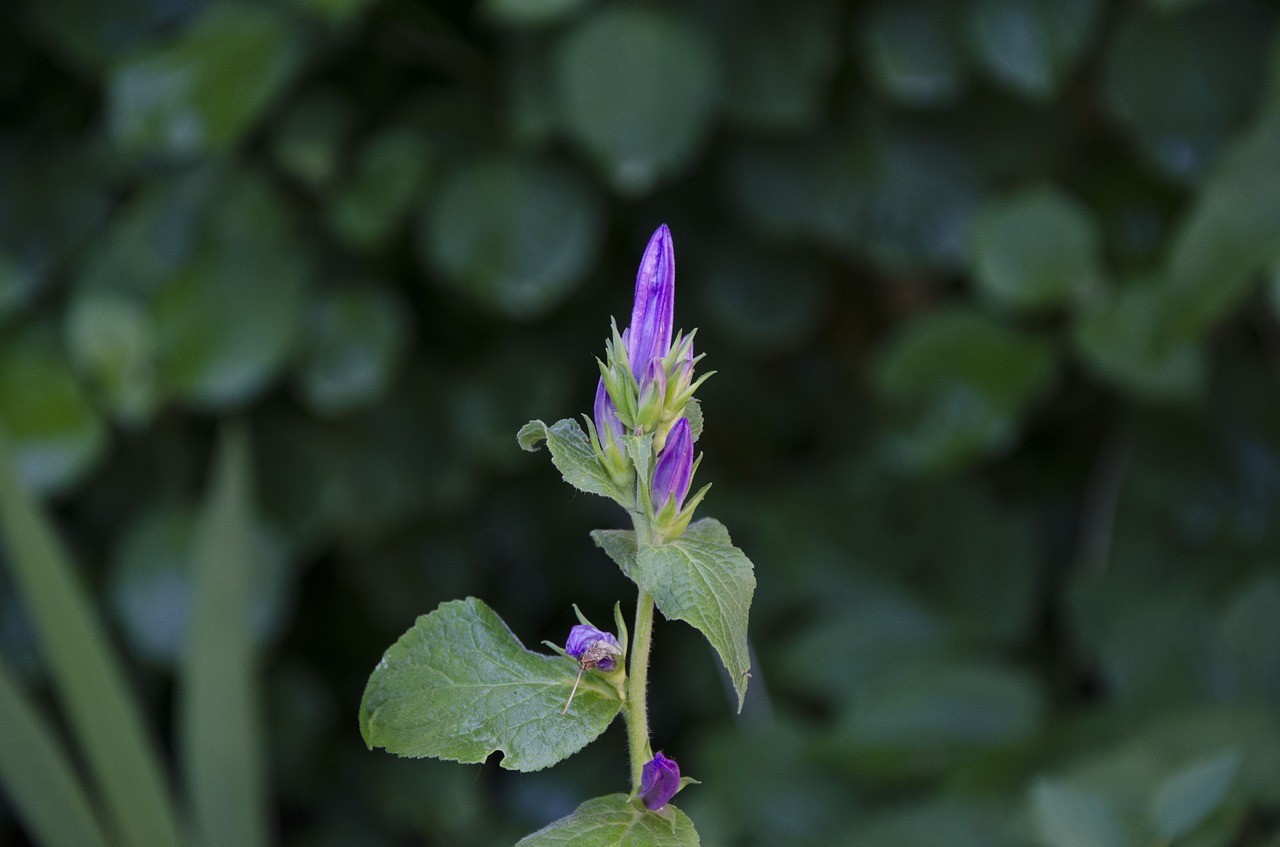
(636, 708)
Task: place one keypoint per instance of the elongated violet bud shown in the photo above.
(653, 310)
(608, 426)
(659, 781)
(674, 468)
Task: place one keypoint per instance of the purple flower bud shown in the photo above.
(593, 648)
(652, 313)
(608, 427)
(674, 469)
(659, 781)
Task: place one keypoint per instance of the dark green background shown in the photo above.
(991, 288)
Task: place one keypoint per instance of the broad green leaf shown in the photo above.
(616, 821)
(112, 343)
(959, 383)
(1250, 633)
(638, 90)
(202, 91)
(1189, 796)
(703, 580)
(390, 175)
(309, 140)
(572, 455)
(515, 236)
(219, 711)
(529, 12)
(338, 14)
(1230, 237)
(460, 686)
(1031, 47)
(913, 54)
(619, 545)
(353, 339)
(1036, 249)
(39, 781)
(85, 671)
(1071, 817)
(57, 436)
(1123, 338)
(1183, 83)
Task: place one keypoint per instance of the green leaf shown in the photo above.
(959, 383)
(619, 545)
(913, 53)
(112, 343)
(702, 579)
(38, 779)
(86, 673)
(460, 686)
(1189, 796)
(572, 455)
(1030, 47)
(391, 174)
(529, 12)
(1230, 237)
(1123, 337)
(221, 725)
(638, 90)
(57, 435)
(616, 821)
(1071, 817)
(204, 90)
(1036, 249)
(515, 236)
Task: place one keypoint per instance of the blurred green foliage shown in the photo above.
(992, 289)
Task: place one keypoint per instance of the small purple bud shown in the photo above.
(593, 648)
(659, 781)
(608, 426)
(674, 469)
(652, 312)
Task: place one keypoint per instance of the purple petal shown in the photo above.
(659, 781)
(652, 312)
(583, 637)
(608, 426)
(674, 469)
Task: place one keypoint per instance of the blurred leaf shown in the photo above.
(1072, 817)
(639, 88)
(572, 455)
(924, 704)
(354, 340)
(1189, 796)
(529, 12)
(219, 713)
(39, 781)
(309, 139)
(703, 580)
(151, 584)
(112, 344)
(1036, 249)
(1181, 83)
(459, 685)
(616, 821)
(1031, 47)
(205, 89)
(391, 173)
(515, 236)
(1251, 636)
(765, 302)
(1123, 338)
(96, 33)
(965, 824)
(335, 13)
(1231, 235)
(913, 54)
(779, 60)
(57, 437)
(962, 382)
(85, 671)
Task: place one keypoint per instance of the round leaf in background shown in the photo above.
(912, 52)
(1035, 249)
(390, 174)
(639, 89)
(528, 12)
(112, 343)
(765, 302)
(513, 235)
(959, 383)
(1030, 47)
(56, 434)
(1182, 82)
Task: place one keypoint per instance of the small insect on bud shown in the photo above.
(594, 649)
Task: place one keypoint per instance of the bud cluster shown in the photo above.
(646, 385)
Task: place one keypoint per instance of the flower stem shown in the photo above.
(636, 707)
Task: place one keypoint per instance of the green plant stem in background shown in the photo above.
(636, 709)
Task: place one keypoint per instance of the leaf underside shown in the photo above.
(615, 821)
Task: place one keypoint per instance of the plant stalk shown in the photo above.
(636, 707)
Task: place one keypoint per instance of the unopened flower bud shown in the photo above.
(674, 469)
(659, 781)
(652, 312)
(608, 426)
(593, 648)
